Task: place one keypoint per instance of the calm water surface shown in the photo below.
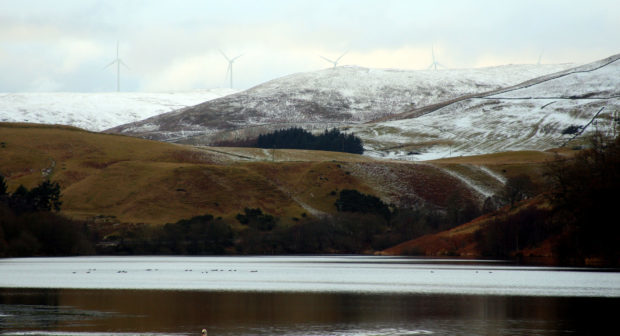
(161, 296)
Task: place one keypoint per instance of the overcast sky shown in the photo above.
(64, 45)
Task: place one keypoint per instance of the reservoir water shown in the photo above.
(333, 295)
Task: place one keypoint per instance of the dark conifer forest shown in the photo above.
(298, 138)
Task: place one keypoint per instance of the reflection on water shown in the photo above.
(299, 296)
(66, 333)
(155, 312)
(39, 316)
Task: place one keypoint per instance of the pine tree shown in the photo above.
(3, 187)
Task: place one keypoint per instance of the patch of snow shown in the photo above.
(480, 189)
(97, 111)
(344, 95)
(595, 80)
(501, 179)
(530, 116)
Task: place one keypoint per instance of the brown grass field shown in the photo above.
(460, 241)
(133, 180)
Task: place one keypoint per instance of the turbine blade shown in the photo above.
(341, 56)
(327, 59)
(228, 70)
(226, 57)
(232, 60)
(125, 65)
(111, 63)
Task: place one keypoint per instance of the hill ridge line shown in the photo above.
(435, 107)
(558, 75)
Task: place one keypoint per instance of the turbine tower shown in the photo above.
(335, 63)
(540, 57)
(118, 62)
(229, 70)
(435, 63)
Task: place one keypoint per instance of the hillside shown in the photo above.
(97, 111)
(332, 97)
(117, 183)
(134, 180)
(534, 115)
(456, 242)
(570, 221)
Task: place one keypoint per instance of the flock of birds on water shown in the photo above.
(90, 270)
(190, 270)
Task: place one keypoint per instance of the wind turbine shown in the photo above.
(435, 63)
(335, 63)
(540, 57)
(118, 62)
(229, 70)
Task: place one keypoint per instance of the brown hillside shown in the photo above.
(461, 240)
(458, 241)
(139, 181)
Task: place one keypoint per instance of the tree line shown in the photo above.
(579, 210)
(362, 223)
(31, 226)
(298, 138)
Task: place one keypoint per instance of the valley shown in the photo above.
(434, 160)
(143, 181)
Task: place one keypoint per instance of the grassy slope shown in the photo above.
(141, 181)
(136, 180)
(460, 241)
(507, 164)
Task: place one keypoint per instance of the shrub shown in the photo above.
(255, 218)
(573, 129)
(354, 201)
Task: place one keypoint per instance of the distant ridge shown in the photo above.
(97, 111)
(532, 115)
(333, 97)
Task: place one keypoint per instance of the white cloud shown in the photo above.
(75, 52)
(173, 46)
(186, 73)
(44, 84)
(405, 57)
(22, 32)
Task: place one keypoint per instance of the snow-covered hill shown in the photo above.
(331, 97)
(533, 115)
(97, 111)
